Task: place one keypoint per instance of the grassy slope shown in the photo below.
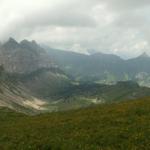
(119, 126)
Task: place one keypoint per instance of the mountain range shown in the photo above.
(35, 79)
(103, 68)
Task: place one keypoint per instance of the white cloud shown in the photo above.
(110, 26)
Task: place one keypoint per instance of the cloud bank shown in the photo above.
(111, 26)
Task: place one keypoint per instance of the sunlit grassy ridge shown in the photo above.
(121, 126)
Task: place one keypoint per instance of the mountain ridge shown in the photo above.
(99, 67)
(53, 80)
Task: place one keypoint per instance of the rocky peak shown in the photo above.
(12, 40)
(29, 44)
(34, 42)
(24, 57)
(24, 42)
(11, 44)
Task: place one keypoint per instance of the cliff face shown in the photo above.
(23, 57)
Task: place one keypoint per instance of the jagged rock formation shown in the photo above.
(23, 57)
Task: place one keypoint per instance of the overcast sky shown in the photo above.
(112, 26)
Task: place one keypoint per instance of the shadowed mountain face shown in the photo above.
(103, 68)
(50, 90)
(29, 79)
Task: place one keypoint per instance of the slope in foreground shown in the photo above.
(118, 126)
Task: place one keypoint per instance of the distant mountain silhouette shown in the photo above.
(104, 68)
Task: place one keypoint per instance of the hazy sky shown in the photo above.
(112, 26)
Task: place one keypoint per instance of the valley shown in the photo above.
(35, 80)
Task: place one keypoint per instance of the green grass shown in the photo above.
(121, 126)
